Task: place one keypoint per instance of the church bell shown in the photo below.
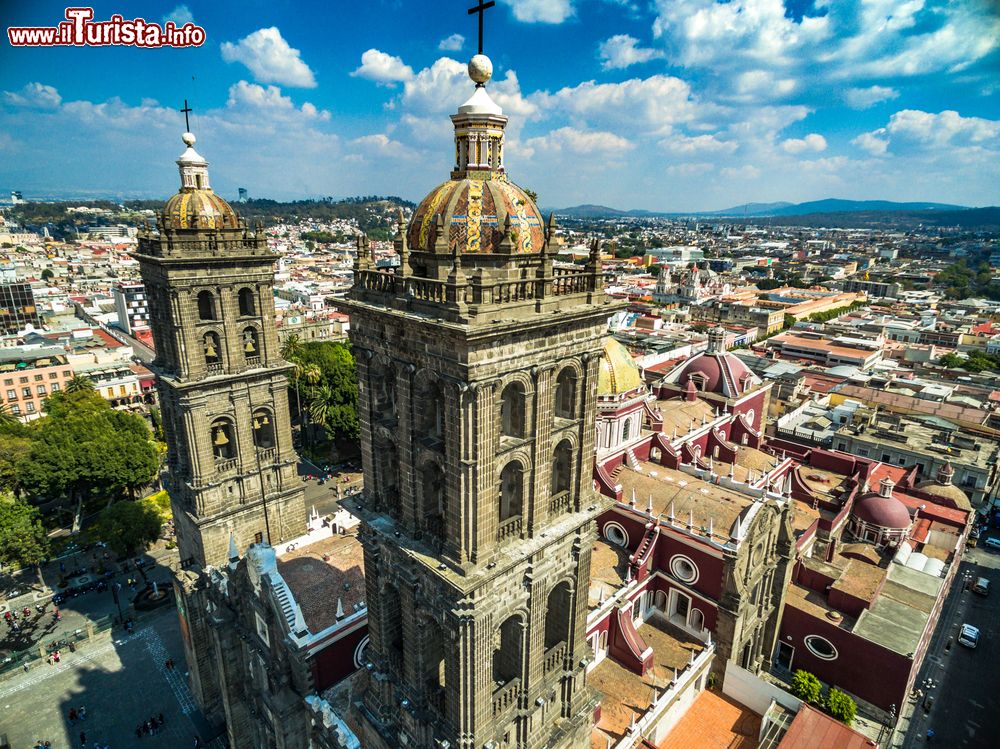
(220, 437)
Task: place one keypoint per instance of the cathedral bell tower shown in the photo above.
(231, 466)
(477, 366)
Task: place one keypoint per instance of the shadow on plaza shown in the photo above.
(121, 685)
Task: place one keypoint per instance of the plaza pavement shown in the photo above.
(121, 682)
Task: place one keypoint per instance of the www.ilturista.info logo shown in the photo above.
(79, 30)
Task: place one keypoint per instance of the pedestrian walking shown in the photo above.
(83, 739)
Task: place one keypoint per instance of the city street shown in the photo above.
(966, 683)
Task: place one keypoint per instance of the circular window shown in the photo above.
(360, 651)
(821, 647)
(615, 534)
(683, 568)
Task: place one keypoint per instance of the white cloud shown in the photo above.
(382, 146)
(622, 50)
(34, 96)
(745, 172)
(872, 143)
(179, 16)
(383, 68)
(580, 142)
(271, 60)
(864, 98)
(452, 43)
(945, 136)
(814, 142)
(654, 103)
(698, 144)
(762, 85)
(541, 11)
(852, 40)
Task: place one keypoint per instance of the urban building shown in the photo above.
(133, 311)
(17, 308)
(29, 375)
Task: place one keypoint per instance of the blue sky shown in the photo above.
(658, 104)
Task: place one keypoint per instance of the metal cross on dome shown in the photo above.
(480, 9)
(186, 110)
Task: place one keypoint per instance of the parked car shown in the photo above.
(993, 543)
(968, 636)
(982, 586)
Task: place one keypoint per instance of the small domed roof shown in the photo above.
(195, 205)
(948, 492)
(618, 373)
(473, 213)
(715, 370)
(885, 512)
(199, 209)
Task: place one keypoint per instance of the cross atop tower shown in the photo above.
(479, 9)
(186, 110)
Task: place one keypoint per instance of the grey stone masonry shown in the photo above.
(231, 466)
(478, 510)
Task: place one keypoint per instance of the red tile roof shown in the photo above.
(811, 729)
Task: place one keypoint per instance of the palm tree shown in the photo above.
(320, 402)
(79, 384)
(6, 416)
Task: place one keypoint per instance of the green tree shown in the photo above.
(337, 386)
(129, 527)
(78, 384)
(23, 541)
(47, 275)
(806, 687)
(14, 449)
(790, 320)
(841, 706)
(85, 448)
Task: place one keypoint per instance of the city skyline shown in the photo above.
(685, 106)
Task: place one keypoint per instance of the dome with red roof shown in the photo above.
(883, 509)
(715, 370)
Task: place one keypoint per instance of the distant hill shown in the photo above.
(763, 210)
(981, 219)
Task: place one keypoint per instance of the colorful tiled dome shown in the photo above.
(474, 212)
(618, 373)
(199, 209)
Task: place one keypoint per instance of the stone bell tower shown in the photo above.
(231, 466)
(477, 366)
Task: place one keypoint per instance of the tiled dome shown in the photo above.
(199, 209)
(618, 372)
(474, 213)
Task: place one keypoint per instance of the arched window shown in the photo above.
(562, 467)
(626, 427)
(223, 439)
(696, 620)
(558, 614)
(392, 627)
(433, 657)
(263, 429)
(213, 351)
(248, 307)
(388, 470)
(251, 344)
(511, 491)
(429, 408)
(566, 394)
(432, 500)
(512, 410)
(206, 306)
(508, 657)
(384, 394)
